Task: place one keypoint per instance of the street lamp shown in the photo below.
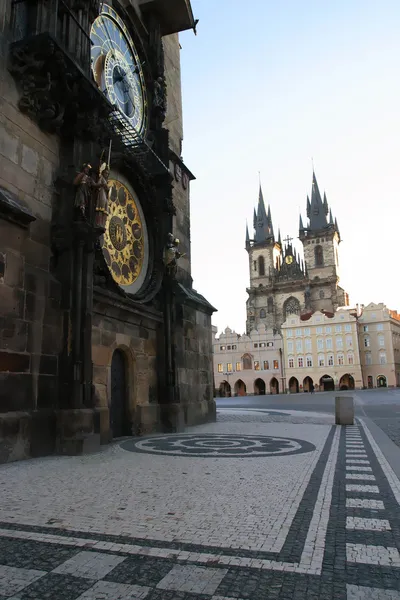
(226, 374)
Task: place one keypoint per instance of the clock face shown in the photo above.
(125, 241)
(289, 259)
(117, 69)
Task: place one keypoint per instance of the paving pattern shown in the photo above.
(312, 513)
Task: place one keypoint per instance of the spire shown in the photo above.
(247, 235)
(255, 219)
(308, 208)
(326, 207)
(279, 238)
(301, 226)
(330, 217)
(317, 208)
(264, 230)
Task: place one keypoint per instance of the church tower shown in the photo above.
(321, 239)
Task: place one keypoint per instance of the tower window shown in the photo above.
(255, 265)
(319, 256)
(261, 266)
(263, 314)
(291, 307)
(321, 294)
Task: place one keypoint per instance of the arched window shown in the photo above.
(270, 305)
(261, 266)
(319, 256)
(291, 307)
(247, 362)
(321, 294)
(263, 314)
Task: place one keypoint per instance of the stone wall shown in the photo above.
(30, 318)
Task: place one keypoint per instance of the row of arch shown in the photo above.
(240, 388)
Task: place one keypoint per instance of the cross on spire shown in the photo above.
(288, 240)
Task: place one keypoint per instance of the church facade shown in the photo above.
(101, 332)
(281, 283)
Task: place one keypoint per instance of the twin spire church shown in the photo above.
(281, 283)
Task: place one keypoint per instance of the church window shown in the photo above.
(367, 342)
(255, 345)
(263, 314)
(222, 347)
(276, 365)
(382, 358)
(246, 359)
(319, 256)
(266, 365)
(291, 307)
(321, 294)
(350, 359)
(321, 360)
(330, 360)
(228, 347)
(381, 340)
(220, 368)
(262, 345)
(255, 265)
(368, 358)
(256, 365)
(309, 361)
(290, 332)
(270, 305)
(234, 347)
(320, 344)
(290, 346)
(270, 344)
(339, 343)
(299, 345)
(229, 367)
(300, 362)
(340, 359)
(365, 327)
(329, 345)
(238, 366)
(261, 266)
(291, 362)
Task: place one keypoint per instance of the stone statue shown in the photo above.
(84, 184)
(171, 252)
(103, 191)
(307, 297)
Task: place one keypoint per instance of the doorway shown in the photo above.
(259, 387)
(119, 421)
(293, 385)
(381, 381)
(274, 386)
(327, 384)
(347, 382)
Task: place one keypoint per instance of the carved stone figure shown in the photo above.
(171, 253)
(307, 297)
(84, 185)
(103, 191)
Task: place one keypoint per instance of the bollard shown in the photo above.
(344, 410)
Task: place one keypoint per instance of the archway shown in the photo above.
(326, 383)
(225, 390)
(308, 384)
(293, 385)
(347, 382)
(274, 386)
(119, 421)
(381, 381)
(370, 382)
(240, 388)
(259, 387)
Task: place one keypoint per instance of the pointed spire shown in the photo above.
(255, 219)
(330, 217)
(264, 230)
(247, 235)
(317, 209)
(279, 238)
(326, 204)
(301, 226)
(308, 208)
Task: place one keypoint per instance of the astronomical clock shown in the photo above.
(118, 74)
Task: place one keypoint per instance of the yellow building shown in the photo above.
(379, 342)
(321, 352)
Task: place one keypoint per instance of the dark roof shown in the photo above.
(263, 228)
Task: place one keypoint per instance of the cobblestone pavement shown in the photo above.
(261, 505)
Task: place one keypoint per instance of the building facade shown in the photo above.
(281, 283)
(321, 352)
(248, 364)
(101, 331)
(379, 342)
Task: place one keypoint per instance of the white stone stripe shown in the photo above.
(200, 557)
(373, 555)
(353, 487)
(364, 503)
(357, 461)
(355, 452)
(387, 469)
(357, 468)
(367, 524)
(313, 552)
(362, 592)
(363, 476)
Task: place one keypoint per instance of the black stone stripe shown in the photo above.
(372, 538)
(375, 576)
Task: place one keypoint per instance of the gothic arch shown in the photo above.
(261, 266)
(291, 306)
(319, 256)
(247, 362)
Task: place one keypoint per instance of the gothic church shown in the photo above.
(281, 282)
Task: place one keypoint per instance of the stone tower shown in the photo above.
(281, 282)
(321, 239)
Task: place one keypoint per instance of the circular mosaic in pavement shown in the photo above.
(219, 445)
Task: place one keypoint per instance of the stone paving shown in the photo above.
(261, 505)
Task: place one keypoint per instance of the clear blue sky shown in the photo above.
(266, 86)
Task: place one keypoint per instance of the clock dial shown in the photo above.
(124, 242)
(289, 259)
(117, 69)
